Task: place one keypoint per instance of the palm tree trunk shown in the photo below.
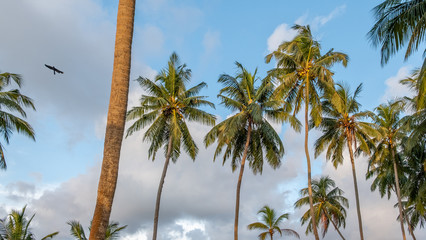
(160, 189)
(308, 160)
(398, 193)
(334, 224)
(115, 119)
(358, 208)
(240, 178)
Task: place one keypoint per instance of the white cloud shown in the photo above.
(322, 20)
(150, 41)
(211, 41)
(393, 88)
(282, 33)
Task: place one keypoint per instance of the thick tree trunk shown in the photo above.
(240, 178)
(398, 193)
(308, 160)
(334, 224)
(160, 189)
(115, 119)
(358, 208)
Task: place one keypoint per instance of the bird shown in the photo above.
(55, 70)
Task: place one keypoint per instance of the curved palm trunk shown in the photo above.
(240, 178)
(308, 160)
(160, 189)
(334, 224)
(410, 229)
(116, 118)
(358, 208)
(398, 193)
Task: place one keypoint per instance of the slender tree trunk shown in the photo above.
(115, 119)
(334, 224)
(358, 208)
(160, 189)
(410, 229)
(308, 160)
(240, 178)
(398, 193)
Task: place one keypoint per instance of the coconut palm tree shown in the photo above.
(398, 22)
(392, 129)
(247, 135)
(271, 224)
(329, 205)
(16, 226)
(342, 127)
(167, 108)
(304, 74)
(11, 102)
(115, 119)
(77, 231)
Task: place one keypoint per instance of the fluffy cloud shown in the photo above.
(282, 33)
(394, 89)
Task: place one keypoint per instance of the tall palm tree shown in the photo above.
(113, 230)
(247, 135)
(16, 226)
(115, 120)
(342, 125)
(167, 108)
(304, 74)
(392, 129)
(398, 22)
(271, 224)
(12, 101)
(329, 205)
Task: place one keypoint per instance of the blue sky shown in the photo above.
(57, 175)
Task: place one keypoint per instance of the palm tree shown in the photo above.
(115, 120)
(392, 129)
(16, 226)
(304, 74)
(167, 107)
(271, 224)
(113, 230)
(329, 205)
(247, 135)
(398, 22)
(13, 101)
(342, 126)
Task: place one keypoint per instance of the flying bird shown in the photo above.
(55, 70)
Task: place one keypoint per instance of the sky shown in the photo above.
(56, 176)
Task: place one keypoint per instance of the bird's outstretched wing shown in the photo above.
(55, 70)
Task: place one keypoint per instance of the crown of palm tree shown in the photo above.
(112, 232)
(329, 204)
(167, 107)
(271, 224)
(12, 101)
(253, 106)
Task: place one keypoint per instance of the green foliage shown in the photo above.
(271, 224)
(11, 102)
(329, 204)
(166, 109)
(252, 107)
(300, 64)
(398, 22)
(112, 232)
(341, 123)
(16, 226)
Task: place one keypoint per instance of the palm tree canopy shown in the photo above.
(270, 224)
(253, 106)
(299, 61)
(329, 204)
(167, 107)
(398, 23)
(11, 102)
(343, 120)
(16, 226)
(112, 232)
